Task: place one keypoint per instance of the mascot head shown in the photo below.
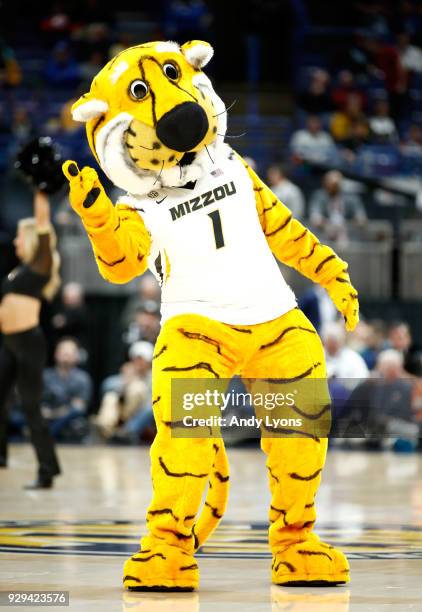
(152, 116)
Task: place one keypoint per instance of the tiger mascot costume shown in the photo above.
(208, 227)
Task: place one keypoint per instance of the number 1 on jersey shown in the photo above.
(218, 230)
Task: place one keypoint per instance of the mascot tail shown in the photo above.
(216, 499)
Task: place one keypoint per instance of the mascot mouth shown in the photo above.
(187, 158)
(152, 154)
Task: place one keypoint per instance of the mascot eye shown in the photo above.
(138, 89)
(171, 71)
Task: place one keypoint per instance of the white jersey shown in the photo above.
(209, 251)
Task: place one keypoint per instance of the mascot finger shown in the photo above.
(70, 169)
(351, 315)
(85, 186)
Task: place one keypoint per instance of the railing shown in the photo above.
(370, 264)
(78, 265)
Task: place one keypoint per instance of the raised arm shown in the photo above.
(118, 235)
(296, 246)
(42, 260)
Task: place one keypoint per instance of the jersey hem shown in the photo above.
(263, 316)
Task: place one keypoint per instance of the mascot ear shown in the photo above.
(88, 107)
(197, 52)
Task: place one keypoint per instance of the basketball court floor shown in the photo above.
(76, 536)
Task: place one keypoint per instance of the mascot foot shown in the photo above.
(162, 568)
(310, 563)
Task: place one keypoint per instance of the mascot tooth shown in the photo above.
(200, 218)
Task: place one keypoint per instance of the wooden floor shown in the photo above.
(76, 536)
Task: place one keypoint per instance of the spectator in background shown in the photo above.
(145, 325)
(386, 59)
(316, 98)
(318, 307)
(251, 162)
(94, 38)
(67, 393)
(124, 41)
(66, 122)
(286, 191)
(382, 407)
(91, 66)
(22, 128)
(312, 143)
(57, 25)
(382, 127)
(343, 121)
(10, 72)
(128, 394)
(346, 87)
(71, 318)
(400, 339)
(331, 207)
(374, 16)
(148, 290)
(343, 363)
(375, 342)
(410, 56)
(356, 57)
(412, 143)
(357, 136)
(61, 69)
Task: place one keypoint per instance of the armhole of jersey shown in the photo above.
(243, 168)
(159, 264)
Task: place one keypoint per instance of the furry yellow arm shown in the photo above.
(296, 246)
(118, 235)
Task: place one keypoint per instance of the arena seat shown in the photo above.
(78, 265)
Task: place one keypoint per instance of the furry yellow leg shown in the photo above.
(290, 349)
(161, 568)
(195, 347)
(188, 347)
(294, 468)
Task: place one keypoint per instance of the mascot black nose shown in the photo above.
(182, 128)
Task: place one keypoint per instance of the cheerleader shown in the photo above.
(23, 351)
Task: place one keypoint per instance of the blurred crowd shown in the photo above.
(375, 379)
(358, 93)
(335, 210)
(68, 43)
(360, 106)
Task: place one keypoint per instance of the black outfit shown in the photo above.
(315, 104)
(22, 360)
(31, 278)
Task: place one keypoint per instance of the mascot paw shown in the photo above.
(162, 568)
(311, 563)
(85, 186)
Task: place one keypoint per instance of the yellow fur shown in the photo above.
(192, 346)
(118, 235)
